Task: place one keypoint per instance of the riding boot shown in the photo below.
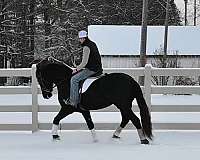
(68, 102)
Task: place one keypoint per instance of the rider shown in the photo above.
(90, 65)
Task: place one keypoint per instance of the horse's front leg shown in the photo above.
(64, 111)
(90, 124)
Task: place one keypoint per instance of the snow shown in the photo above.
(78, 145)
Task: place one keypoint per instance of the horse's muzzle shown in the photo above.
(47, 95)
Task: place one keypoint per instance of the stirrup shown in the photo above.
(68, 102)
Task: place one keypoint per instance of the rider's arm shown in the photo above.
(86, 53)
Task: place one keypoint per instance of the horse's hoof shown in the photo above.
(145, 141)
(56, 137)
(114, 136)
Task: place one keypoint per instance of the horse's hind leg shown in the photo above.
(64, 111)
(124, 122)
(136, 122)
(127, 114)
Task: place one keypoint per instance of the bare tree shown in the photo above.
(168, 62)
(193, 12)
(186, 6)
(49, 27)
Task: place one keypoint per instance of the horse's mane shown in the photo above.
(52, 66)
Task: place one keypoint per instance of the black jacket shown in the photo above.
(94, 61)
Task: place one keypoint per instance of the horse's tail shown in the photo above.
(144, 112)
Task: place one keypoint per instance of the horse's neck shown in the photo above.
(63, 89)
(63, 84)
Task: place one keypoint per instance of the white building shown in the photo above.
(120, 45)
(132, 61)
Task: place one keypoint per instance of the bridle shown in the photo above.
(43, 81)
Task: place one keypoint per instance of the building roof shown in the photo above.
(125, 40)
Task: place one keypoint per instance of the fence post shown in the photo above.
(34, 99)
(147, 84)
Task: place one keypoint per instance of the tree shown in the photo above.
(49, 27)
(186, 4)
(193, 11)
(164, 62)
(15, 30)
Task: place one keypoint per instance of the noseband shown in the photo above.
(43, 80)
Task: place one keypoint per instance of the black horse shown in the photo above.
(116, 88)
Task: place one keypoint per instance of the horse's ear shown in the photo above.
(35, 61)
(50, 59)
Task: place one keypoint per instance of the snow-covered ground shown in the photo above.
(78, 145)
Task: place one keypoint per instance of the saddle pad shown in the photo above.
(87, 83)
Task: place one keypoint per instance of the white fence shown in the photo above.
(148, 89)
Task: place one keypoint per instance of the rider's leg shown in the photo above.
(74, 87)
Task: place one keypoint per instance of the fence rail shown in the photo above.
(148, 89)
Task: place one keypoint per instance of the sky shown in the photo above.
(179, 3)
(190, 11)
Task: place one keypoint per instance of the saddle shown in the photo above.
(85, 83)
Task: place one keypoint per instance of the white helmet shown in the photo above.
(82, 34)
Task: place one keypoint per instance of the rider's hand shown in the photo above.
(74, 71)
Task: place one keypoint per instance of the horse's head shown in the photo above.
(44, 81)
(50, 71)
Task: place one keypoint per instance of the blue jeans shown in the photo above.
(74, 87)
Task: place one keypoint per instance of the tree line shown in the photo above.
(35, 28)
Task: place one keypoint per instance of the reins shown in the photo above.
(51, 60)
